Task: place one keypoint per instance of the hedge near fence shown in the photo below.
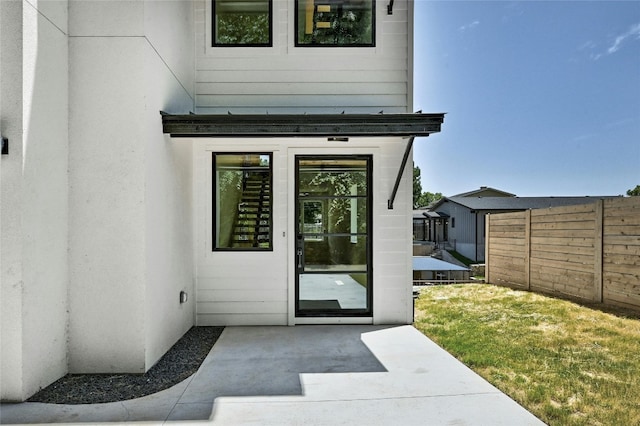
(590, 252)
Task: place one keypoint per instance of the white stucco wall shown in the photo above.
(34, 196)
(106, 204)
(10, 192)
(130, 227)
(169, 71)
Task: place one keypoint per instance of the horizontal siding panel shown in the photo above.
(299, 88)
(241, 307)
(299, 101)
(566, 249)
(612, 205)
(631, 221)
(498, 221)
(559, 233)
(263, 282)
(562, 226)
(623, 300)
(632, 250)
(567, 241)
(580, 208)
(234, 295)
(311, 64)
(562, 277)
(582, 259)
(508, 241)
(625, 240)
(567, 217)
(296, 76)
(497, 233)
(542, 263)
(204, 320)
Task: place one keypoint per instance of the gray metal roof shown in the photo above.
(426, 214)
(300, 125)
(427, 263)
(520, 203)
(478, 192)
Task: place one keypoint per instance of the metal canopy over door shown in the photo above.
(333, 236)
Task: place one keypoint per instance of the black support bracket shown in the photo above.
(407, 151)
(5, 146)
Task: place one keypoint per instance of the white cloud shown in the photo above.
(469, 26)
(634, 30)
(595, 52)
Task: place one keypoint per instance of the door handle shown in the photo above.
(299, 253)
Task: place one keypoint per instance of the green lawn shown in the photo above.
(567, 364)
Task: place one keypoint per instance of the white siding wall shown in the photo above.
(254, 288)
(465, 230)
(34, 212)
(285, 79)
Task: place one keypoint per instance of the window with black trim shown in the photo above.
(242, 211)
(335, 23)
(242, 23)
(453, 222)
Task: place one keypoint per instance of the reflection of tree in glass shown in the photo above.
(312, 212)
(343, 185)
(242, 29)
(340, 184)
(349, 24)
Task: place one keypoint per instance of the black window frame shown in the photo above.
(214, 212)
(356, 45)
(369, 235)
(213, 30)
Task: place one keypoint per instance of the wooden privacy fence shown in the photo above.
(590, 251)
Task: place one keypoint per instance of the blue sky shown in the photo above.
(542, 97)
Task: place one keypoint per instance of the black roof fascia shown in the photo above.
(298, 125)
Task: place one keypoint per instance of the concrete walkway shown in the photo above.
(309, 375)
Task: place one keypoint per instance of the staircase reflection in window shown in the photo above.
(242, 201)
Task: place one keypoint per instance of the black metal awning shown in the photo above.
(299, 125)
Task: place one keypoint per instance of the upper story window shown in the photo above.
(242, 22)
(335, 23)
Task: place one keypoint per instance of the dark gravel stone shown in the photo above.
(181, 361)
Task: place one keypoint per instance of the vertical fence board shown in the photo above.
(527, 248)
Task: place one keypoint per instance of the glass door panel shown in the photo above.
(333, 249)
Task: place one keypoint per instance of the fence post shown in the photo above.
(597, 242)
(527, 248)
(487, 260)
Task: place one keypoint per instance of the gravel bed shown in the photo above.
(181, 361)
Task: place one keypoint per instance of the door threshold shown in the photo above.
(332, 320)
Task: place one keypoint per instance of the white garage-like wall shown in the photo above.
(256, 288)
(288, 79)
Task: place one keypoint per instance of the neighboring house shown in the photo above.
(432, 226)
(465, 217)
(272, 182)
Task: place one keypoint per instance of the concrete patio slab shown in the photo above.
(312, 375)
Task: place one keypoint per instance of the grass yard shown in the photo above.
(567, 364)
